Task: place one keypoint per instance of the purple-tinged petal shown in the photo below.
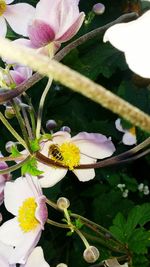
(119, 126)
(9, 1)
(129, 139)
(3, 27)
(20, 74)
(19, 16)
(41, 211)
(72, 30)
(40, 33)
(94, 145)
(36, 259)
(61, 137)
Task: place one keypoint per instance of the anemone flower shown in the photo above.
(14, 15)
(3, 179)
(55, 21)
(129, 136)
(84, 148)
(133, 38)
(24, 199)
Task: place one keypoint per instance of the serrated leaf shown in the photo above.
(34, 145)
(78, 223)
(31, 168)
(15, 152)
(139, 241)
(118, 229)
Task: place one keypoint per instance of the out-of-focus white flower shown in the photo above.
(143, 188)
(121, 186)
(14, 15)
(3, 179)
(125, 193)
(84, 148)
(133, 38)
(24, 199)
(129, 136)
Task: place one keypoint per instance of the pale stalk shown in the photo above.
(12, 131)
(75, 81)
(41, 105)
(15, 167)
(60, 225)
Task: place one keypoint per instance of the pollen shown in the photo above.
(26, 215)
(3, 7)
(132, 131)
(70, 154)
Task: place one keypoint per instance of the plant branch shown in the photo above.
(4, 97)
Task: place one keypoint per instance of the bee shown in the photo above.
(54, 151)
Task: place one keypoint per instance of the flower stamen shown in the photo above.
(3, 7)
(26, 215)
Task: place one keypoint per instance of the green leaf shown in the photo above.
(139, 241)
(34, 145)
(31, 168)
(78, 223)
(15, 152)
(118, 229)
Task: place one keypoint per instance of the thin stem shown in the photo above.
(41, 105)
(82, 238)
(21, 122)
(4, 97)
(15, 167)
(32, 113)
(12, 131)
(21, 157)
(27, 124)
(60, 225)
(52, 204)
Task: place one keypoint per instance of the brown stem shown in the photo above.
(7, 96)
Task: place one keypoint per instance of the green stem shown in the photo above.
(51, 203)
(12, 131)
(15, 167)
(31, 113)
(21, 123)
(41, 105)
(19, 158)
(82, 238)
(60, 225)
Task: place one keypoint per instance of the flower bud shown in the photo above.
(9, 146)
(98, 9)
(62, 265)
(65, 129)
(51, 124)
(63, 203)
(91, 254)
(9, 112)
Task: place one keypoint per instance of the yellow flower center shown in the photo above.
(26, 215)
(132, 130)
(67, 153)
(3, 7)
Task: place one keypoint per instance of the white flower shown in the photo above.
(133, 38)
(35, 259)
(129, 136)
(24, 199)
(18, 16)
(84, 148)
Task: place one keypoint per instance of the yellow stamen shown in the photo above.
(26, 215)
(132, 131)
(67, 153)
(3, 7)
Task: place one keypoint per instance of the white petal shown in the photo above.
(36, 259)
(133, 38)
(19, 17)
(85, 175)
(9, 1)
(129, 139)
(51, 175)
(119, 126)
(61, 137)
(5, 253)
(3, 27)
(94, 145)
(15, 193)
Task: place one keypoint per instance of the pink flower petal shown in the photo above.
(3, 27)
(129, 139)
(36, 259)
(19, 17)
(61, 137)
(94, 145)
(72, 30)
(40, 33)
